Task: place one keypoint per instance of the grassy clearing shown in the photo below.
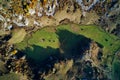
(10, 76)
(39, 45)
(109, 42)
(46, 41)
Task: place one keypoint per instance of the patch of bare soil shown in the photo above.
(75, 29)
(17, 36)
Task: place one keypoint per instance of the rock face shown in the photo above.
(51, 12)
(96, 53)
(109, 19)
(60, 70)
(39, 13)
(76, 68)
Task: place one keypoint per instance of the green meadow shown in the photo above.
(50, 40)
(10, 76)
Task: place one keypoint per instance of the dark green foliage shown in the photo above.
(116, 70)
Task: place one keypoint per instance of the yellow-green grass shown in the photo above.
(39, 45)
(17, 36)
(109, 42)
(44, 39)
(47, 39)
(10, 76)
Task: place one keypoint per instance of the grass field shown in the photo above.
(109, 42)
(46, 41)
(10, 76)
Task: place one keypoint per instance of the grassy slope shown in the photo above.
(10, 76)
(50, 39)
(97, 34)
(109, 42)
(43, 42)
(17, 36)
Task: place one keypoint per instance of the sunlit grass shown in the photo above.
(10, 76)
(47, 37)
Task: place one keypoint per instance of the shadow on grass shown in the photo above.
(39, 53)
(116, 70)
(72, 46)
